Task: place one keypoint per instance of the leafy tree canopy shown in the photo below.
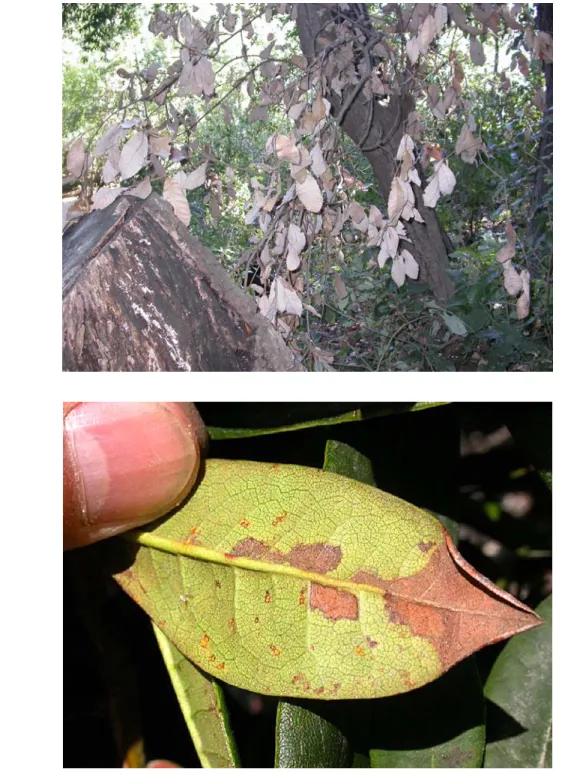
(316, 147)
(99, 26)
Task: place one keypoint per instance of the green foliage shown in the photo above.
(99, 26)
(87, 99)
(203, 707)
(237, 145)
(520, 715)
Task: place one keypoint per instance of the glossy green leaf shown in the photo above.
(287, 424)
(440, 725)
(292, 581)
(307, 734)
(306, 737)
(342, 459)
(419, 405)
(519, 700)
(202, 703)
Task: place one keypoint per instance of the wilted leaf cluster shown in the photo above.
(303, 195)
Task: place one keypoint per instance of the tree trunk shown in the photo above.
(544, 168)
(378, 129)
(141, 294)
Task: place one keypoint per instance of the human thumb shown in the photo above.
(125, 464)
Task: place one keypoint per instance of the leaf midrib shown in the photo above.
(205, 554)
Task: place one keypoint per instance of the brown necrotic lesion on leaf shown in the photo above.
(333, 603)
(451, 605)
(316, 558)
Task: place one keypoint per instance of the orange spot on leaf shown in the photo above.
(245, 523)
(267, 598)
(220, 665)
(359, 650)
(204, 641)
(193, 536)
(232, 624)
(280, 518)
(405, 676)
(212, 658)
(274, 650)
(320, 690)
(302, 596)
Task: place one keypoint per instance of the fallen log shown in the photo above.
(140, 293)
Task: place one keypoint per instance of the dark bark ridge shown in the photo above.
(141, 294)
(377, 129)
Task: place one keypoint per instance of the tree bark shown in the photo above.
(141, 294)
(378, 133)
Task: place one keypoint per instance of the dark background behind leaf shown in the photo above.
(479, 464)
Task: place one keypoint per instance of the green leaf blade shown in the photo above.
(296, 582)
(202, 704)
(304, 738)
(342, 459)
(309, 734)
(439, 725)
(286, 421)
(519, 699)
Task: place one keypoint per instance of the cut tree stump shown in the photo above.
(141, 294)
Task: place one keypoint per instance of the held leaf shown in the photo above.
(293, 581)
(309, 733)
